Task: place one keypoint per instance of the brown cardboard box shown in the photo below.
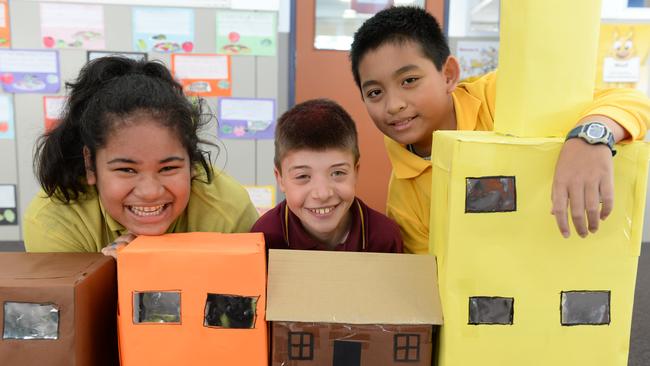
(74, 298)
(348, 308)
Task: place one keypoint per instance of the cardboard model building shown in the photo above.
(351, 309)
(58, 309)
(513, 290)
(193, 299)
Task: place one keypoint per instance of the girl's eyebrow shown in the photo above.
(131, 161)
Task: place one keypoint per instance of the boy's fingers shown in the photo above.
(577, 205)
(592, 206)
(607, 198)
(559, 210)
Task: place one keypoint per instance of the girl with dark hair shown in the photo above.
(125, 161)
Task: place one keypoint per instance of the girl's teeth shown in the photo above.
(147, 210)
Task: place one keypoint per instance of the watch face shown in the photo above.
(596, 131)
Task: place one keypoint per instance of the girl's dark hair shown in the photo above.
(106, 93)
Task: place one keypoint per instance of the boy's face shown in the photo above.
(319, 186)
(405, 95)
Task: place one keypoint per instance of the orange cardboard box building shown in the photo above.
(349, 308)
(193, 299)
(58, 309)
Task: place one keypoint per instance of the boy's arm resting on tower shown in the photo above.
(584, 174)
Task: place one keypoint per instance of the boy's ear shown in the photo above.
(91, 178)
(451, 71)
(278, 178)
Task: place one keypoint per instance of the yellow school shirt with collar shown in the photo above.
(409, 190)
(84, 226)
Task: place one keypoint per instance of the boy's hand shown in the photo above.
(584, 181)
(119, 243)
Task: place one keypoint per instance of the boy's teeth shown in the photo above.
(147, 210)
(322, 211)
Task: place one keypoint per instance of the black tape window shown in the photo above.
(301, 346)
(490, 194)
(157, 307)
(230, 311)
(23, 320)
(406, 348)
(585, 307)
(491, 310)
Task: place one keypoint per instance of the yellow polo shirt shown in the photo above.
(84, 226)
(409, 190)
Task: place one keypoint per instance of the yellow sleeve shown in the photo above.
(629, 107)
(404, 206)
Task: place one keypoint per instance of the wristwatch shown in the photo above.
(594, 133)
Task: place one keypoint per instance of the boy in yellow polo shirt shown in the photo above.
(410, 85)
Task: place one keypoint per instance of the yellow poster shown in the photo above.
(623, 56)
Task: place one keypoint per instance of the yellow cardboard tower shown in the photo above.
(513, 291)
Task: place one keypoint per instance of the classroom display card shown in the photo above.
(206, 75)
(8, 211)
(53, 110)
(72, 26)
(5, 31)
(163, 30)
(248, 33)
(29, 71)
(137, 56)
(246, 118)
(6, 118)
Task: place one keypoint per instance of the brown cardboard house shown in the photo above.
(58, 309)
(351, 309)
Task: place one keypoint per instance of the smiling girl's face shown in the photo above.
(142, 175)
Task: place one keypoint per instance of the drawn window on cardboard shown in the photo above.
(301, 346)
(491, 310)
(490, 194)
(157, 307)
(25, 321)
(406, 347)
(230, 311)
(585, 308)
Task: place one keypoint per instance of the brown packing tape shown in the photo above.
(375, 343)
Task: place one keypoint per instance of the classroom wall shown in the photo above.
(249, 161)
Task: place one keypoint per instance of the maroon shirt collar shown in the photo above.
(297, 237)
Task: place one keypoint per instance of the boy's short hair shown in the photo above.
(400, 24)
(316, 124)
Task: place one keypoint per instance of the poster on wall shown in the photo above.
(623, 56)
(246, 118)
(8, 211)
(477, 57)
(6, 118)
(5, 31)
(29, 71)
(53, 110)
(250, 33)
(206, 75)
(263, 197)
(163, 30)
(137, 56)
(72, 26)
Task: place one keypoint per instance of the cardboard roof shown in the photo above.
(53, 268)
(352, 288)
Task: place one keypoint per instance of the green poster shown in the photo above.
(250, 33)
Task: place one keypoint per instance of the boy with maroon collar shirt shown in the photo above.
(316, 166)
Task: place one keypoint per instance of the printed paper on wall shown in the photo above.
(53, 109)
(623, 56)
(29, 71)
(72, 26)
(6, 117)
(163, 30)
(8, 212)
(246, 118)
(204, 74)
(263, 197)
(91, 55)
(477, 57)
(247, 33)
(5, 31)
